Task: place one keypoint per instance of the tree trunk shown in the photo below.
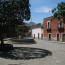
(2, 42)
(1, 38)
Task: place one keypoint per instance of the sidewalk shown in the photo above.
(57, 57)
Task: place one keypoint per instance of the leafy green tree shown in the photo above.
(12, 13)
(22, 29)
(59, 12)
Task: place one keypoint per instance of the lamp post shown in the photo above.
(31, 27)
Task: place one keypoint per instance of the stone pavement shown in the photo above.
(57, 57)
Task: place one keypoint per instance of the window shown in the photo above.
(48, 24)
(60, 24)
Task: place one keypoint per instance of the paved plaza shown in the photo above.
(57, 56)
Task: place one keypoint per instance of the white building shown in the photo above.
(37, 31)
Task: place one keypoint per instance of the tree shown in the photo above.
(59, 12)
(21, 29)
(12, 13)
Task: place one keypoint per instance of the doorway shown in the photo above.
(38, 35)
(49, 36)
(41, 36)
(63, 37)
(34, 36)
(58, 35)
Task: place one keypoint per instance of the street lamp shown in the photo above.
(31, 27)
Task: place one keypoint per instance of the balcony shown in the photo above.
(60, 28)
(48, 29)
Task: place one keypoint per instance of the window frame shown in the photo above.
(48, 25)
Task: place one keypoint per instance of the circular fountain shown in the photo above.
(22, 40)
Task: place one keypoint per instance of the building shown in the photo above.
(53, 30)
(31, 23)
(37, 31)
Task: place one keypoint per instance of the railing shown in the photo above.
(48, 29)
(60, 28)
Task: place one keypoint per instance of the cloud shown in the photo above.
(43, 10)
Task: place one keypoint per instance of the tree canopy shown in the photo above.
(59, 11)
(22, 28)
(12, 13)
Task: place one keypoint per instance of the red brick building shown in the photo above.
(53, 30)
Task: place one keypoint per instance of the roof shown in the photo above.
(48, 17)
(23, 23)
(36, 26)
(31, 23)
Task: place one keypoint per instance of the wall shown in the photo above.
(54, 28)
(36, 31)
(42, 31)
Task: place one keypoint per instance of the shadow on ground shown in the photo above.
(25, 53)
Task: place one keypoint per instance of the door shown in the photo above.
(49, 36)
(38, 35)
(63, 38)
(34, 36)
(41, 36)
(58, 37)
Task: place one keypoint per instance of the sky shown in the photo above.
(40, 9)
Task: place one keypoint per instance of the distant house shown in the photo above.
(53, 30)
(31, 23)
(37, 31)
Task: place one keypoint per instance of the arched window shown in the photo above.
(60, 24)
(48, 24)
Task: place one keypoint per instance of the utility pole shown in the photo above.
(31, 27)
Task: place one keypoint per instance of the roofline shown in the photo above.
(48, 17)
(36, 27)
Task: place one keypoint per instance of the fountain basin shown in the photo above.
(23, 40)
